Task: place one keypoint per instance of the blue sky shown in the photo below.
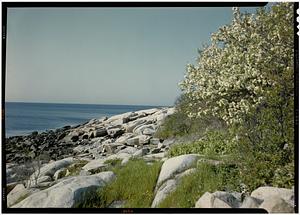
(104, 55)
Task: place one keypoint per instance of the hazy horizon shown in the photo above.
(130, 56)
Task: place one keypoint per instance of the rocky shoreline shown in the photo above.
(62, 165)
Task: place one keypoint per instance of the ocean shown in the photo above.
(23, 118)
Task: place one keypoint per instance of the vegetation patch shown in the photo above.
(214, 142)
(207, 178)
(135, 184)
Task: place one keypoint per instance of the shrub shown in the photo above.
(214, 142)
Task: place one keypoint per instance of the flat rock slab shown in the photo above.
(176, 165)
(67, 193)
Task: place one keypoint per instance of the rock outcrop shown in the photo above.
(67, 193)
(79, 158)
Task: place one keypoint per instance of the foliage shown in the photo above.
(215, 142)
(207, 178)
(246, 78)
(246, 60)
(134, 184)
(180, 125)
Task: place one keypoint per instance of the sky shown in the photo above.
(133, 56)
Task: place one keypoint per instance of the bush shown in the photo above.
(212, 143)
(180, 124)
(135, 184)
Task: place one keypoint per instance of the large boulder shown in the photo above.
(95, 164)
(49, 169)
(208, 200)
(176, 165)
(100, 163)
(138, 140)
(18, 193)
(147, 129)
(164, 190)
(275, 204)
(264, 192)
(67, 193)
(128, 150)
(100, 132)
(115, 131)
(124, 138)
(228, 198)
(251, 202)
(129, 127)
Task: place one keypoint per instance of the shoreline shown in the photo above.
(43, 117)
(59, 143)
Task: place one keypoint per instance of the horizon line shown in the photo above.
(38, 102)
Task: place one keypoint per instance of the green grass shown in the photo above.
(207, 178)
(135, 184)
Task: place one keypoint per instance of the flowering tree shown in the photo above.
(248, 61)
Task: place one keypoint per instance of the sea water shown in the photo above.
(23, 118)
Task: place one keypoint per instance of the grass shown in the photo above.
(207, 178)
(135, 184)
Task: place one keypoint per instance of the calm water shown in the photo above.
(23, 118)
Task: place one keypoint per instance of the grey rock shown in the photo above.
(176, 165)
(155, 150)
(60, 173)
(154, 141)
(275, 204)
(228, 198)
(67, 193)
(44, 178)
(18, 193)
(124, 138)
(150, 129)
(125, 161)
(138, 140)
(114, 132)
(208, 200)
(251, 202)
(111, 148)
(49, 169)
(264, 192)
(128, 150)
(100, 132)
(95, 164)
(141, 152)
(165, 189)
(132, 125)
(117, 204)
